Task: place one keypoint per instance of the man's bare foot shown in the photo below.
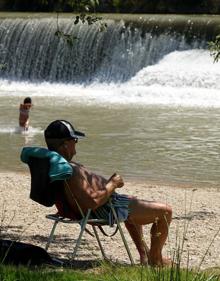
(165, 262)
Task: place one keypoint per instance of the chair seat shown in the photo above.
(58, 218)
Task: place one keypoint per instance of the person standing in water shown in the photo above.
(24, 113)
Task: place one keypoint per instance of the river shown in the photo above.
(148, 102)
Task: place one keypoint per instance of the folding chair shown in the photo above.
(44, 192)
(83, 222)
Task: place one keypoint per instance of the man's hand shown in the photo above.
(116, 180)
(102, 196)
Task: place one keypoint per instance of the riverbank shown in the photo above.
(195, 211)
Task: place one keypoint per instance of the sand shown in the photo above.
(196, 222)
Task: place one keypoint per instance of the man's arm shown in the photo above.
(102, 196)
(80, 190)
(87, 195)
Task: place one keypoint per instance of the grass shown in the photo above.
(106, 272)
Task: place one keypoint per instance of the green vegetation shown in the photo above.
(214, 47)
(115, 6)
(106, 272)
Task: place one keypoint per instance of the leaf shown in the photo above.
(93, 3)
(76, 20)
(87, 8)
(58, 33)
(214, 47)
(3, 66)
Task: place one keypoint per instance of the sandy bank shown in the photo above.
(195, 210)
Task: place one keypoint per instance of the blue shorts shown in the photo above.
(121, 205)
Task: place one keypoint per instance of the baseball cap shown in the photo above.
(62, 129)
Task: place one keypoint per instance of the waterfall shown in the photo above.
(30, 51)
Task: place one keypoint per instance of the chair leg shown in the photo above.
(51, 235)
(82, 226)
(122, 236)
(99, 242)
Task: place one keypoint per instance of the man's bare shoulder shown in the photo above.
(76, 166)
(79, 171)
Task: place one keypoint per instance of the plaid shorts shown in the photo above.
(121, 205)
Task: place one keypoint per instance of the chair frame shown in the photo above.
(83, 222)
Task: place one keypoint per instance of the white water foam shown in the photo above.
(181, 78)
(17, 130)
(188, 69)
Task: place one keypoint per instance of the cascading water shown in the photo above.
(146, 94)
(30, 51)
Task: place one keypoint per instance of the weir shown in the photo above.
(30, 51)
(153, 106)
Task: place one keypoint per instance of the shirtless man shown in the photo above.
(93, 191)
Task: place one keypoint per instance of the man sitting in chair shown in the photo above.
(93, 191)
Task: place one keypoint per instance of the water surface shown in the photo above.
(152, 142)
(146, 95)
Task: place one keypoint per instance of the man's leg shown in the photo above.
(136, 233)
(146, 212)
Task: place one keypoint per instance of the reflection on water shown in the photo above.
(179, 145)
